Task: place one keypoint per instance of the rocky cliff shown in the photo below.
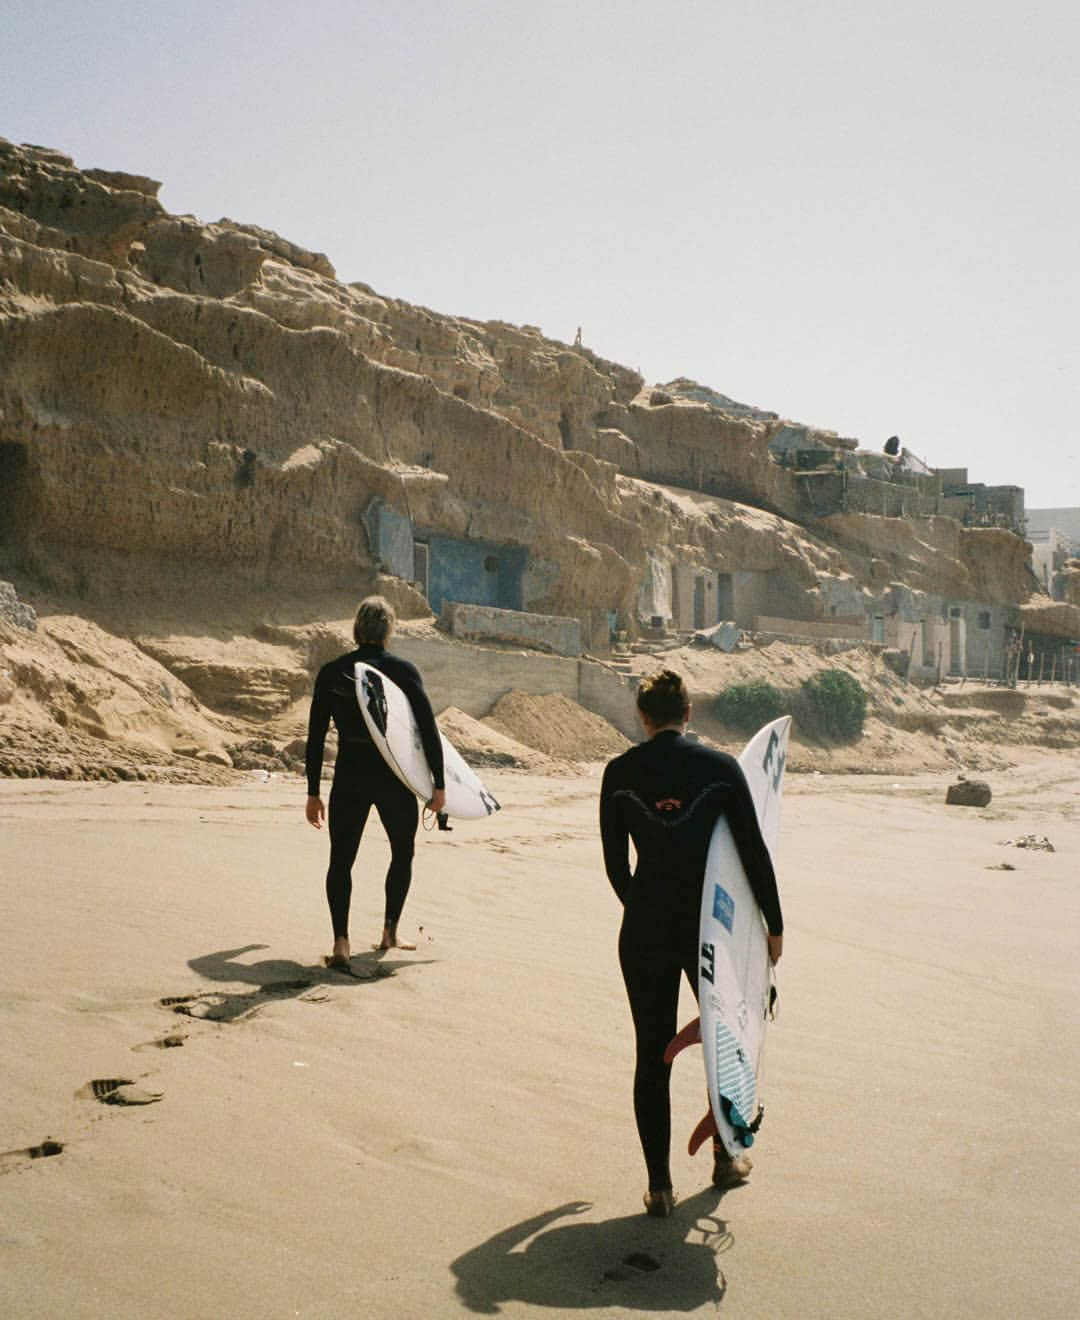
(179, 396)
(196, 421)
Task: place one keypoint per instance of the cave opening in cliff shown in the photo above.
(14, 487)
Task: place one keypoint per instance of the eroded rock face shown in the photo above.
(189, 396)
(177, 397)
(182, 401)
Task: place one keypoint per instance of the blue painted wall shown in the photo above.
(474, 572)
(390, 536)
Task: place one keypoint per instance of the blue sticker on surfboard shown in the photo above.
(723, 908)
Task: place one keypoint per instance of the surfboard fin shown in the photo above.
(702, 1133)
(690, 1035)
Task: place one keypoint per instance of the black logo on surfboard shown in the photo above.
(771, 756)
(376, 700)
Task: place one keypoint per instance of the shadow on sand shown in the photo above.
(646, 1264)
(273, 979)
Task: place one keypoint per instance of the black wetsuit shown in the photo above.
(362, 778)
(666, 794)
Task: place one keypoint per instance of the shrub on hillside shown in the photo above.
(747, 706)
(831, 705)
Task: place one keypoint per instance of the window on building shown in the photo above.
(984, 619)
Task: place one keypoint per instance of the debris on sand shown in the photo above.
(1039, 842)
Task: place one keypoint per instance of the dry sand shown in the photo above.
(556, 726)
(457, 1138)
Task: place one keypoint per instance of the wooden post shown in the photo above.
(1042, 661)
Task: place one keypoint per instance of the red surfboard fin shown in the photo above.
(704, 1130)
(690, 1035)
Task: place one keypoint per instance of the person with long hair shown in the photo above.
(362, 779)
(666, 794)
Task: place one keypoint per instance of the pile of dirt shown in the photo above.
(556, 726)
(482, 745)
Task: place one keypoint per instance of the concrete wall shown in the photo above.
(841, 491)
(841, 597)
(986, 628)
(390, 537)
(655, 593)
(696, 597)
(473, 572)
(970, 641)
(1049, 551)
(979, 505)
(926, 641)
(846, 629)
(750, 595)
(457, 674)
(538, 581)
(480, 622)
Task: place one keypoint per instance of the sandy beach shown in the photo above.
(456, 1138)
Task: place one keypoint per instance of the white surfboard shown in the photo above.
(392, 725)
(735, 977)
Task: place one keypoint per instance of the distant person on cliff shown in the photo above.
(362, 779)
(666, 794)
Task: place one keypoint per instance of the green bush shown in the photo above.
(831, 705)
(747, 706)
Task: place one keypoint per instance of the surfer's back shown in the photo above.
(666, 794)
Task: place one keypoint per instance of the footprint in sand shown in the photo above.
(117, 1091)
(210, 1007)
(170, 1042)
(10, 1159)
(215, 1006)
(357, 972)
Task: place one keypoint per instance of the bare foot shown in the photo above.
(390, 939)
(342, 953)
(659, 1205)
(728, 1172)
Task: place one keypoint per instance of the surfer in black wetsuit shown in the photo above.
(362, 779)
(667, 794)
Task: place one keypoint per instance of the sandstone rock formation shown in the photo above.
(200, 427)
(191, 395)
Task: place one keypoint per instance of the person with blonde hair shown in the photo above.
(362, 779)
(666, 794)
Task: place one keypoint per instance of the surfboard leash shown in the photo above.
(439, 819)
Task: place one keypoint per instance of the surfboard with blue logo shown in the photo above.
(735, 983)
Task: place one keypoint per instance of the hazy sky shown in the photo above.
(863, 216)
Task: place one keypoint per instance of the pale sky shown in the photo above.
(862, 216)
